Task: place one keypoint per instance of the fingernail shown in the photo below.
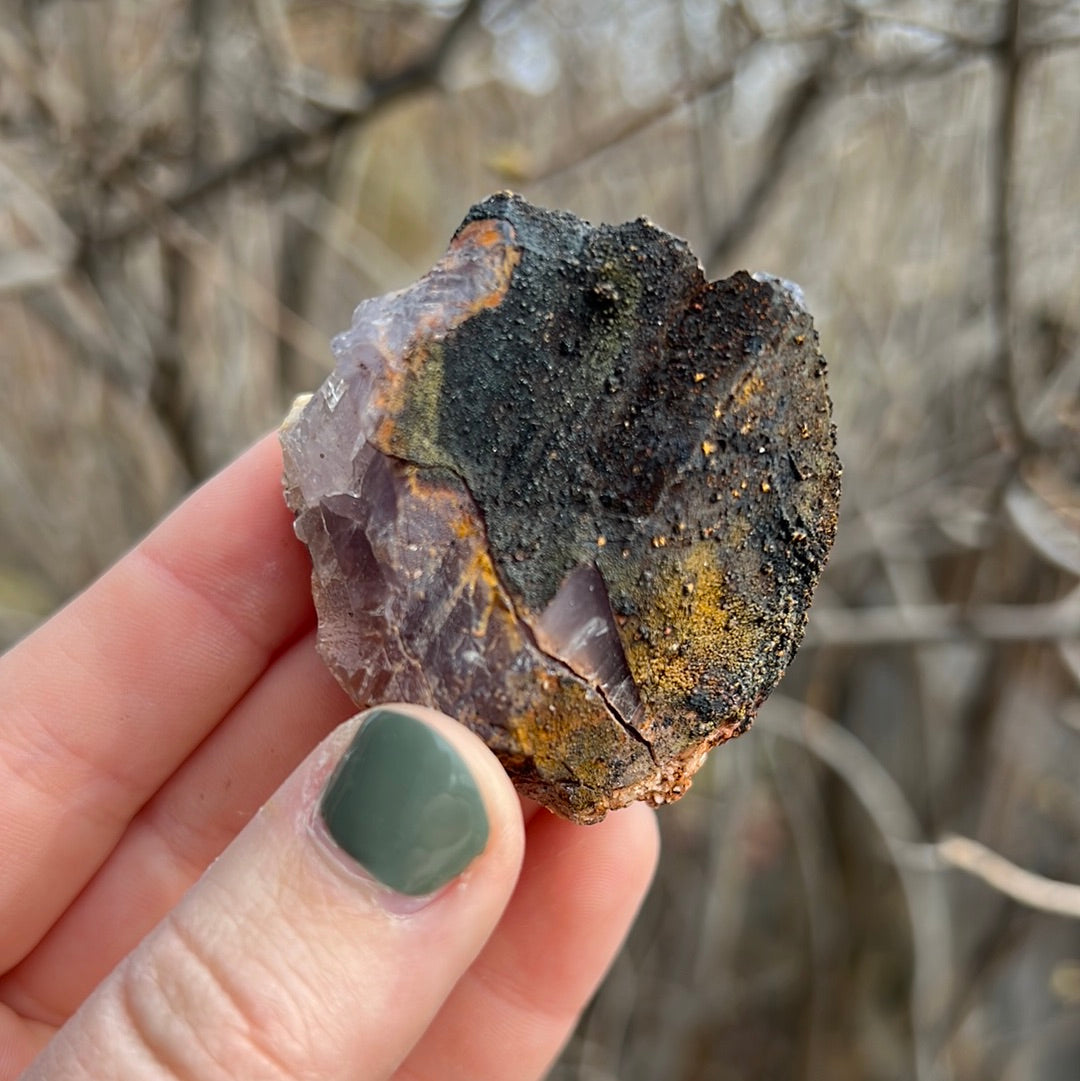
(404, 805)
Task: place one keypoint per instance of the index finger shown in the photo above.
(112, 694)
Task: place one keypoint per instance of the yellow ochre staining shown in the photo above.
(748, 391)
(444, 501)
(496, 236)
(562, 722)
(482, 582)
(696, 630)
(478, 579)
(751, 389)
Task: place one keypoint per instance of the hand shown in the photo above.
(142, 730)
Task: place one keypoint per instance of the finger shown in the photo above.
(105, 701)
(579, 891)
(292, 958)
(183, 828)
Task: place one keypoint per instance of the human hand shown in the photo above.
(145, 725)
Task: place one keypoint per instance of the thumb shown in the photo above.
(324, 940)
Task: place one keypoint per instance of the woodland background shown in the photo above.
(193, 196)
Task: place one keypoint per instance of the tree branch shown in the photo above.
(419, 75)
(923, 624)
(801, 105)
(1026, 887)
(1011, 64)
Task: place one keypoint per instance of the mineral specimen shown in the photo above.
(571, 493)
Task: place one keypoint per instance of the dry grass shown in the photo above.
(194, 195)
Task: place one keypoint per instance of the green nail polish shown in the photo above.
(403, 804)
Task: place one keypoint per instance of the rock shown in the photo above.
(571, 493)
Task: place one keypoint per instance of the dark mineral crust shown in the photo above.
(571, 493)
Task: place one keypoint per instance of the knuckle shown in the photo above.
(191, 1014)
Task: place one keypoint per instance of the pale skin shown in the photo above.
(142, 730)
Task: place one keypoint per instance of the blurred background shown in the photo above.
(194, 195)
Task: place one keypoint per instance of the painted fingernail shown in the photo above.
(404, 805)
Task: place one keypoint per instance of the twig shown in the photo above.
(801, 802)
(198, 17)
(802, 104)
(918, 624)
(872, 785)
(1011, 62)
(283, 145)
(616, 133)
(884, 801)
(1026, 887)
(694, 128)
(260, 302)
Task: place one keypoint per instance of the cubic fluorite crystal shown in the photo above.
(571, 493)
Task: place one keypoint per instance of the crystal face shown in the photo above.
(571, 493)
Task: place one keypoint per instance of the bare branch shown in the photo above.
(1004, 135)
(1026, 887)
(802, 104)
(417, 76)
(261, 302)
(616, 133)
(871, 784)
(918, 624)
(198, 16)
(895, 819)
